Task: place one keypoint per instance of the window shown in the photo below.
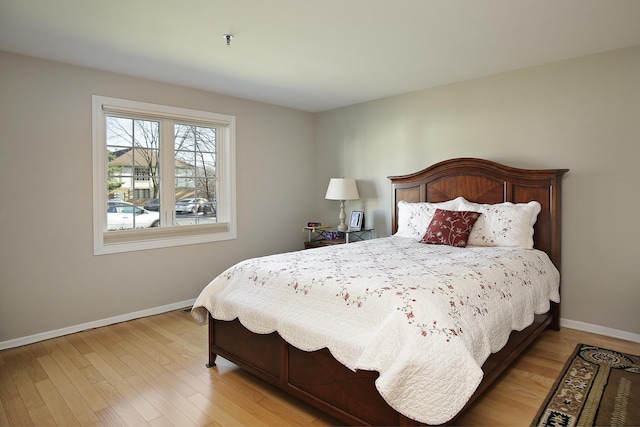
(142, 174)
(163, 176)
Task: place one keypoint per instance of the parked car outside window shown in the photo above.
(152, 205)
(194, 205)
(125, 216)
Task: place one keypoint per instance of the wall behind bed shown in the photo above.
(582, 114)
(50, 281)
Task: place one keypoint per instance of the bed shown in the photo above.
(357, 376)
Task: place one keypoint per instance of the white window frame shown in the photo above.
(165, 236)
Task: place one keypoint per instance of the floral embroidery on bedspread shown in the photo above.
(421, 272)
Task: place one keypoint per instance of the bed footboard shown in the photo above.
(314, 377)
(318, 379)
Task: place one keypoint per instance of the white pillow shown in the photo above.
(414, 218)
(503, 224)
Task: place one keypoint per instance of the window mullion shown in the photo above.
(167, 173)
(225, 157)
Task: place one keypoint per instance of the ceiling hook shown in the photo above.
(228, 38)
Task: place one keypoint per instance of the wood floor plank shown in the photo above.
(146, 330)
(112, 360)
(9, 362)
(78, 343)
(274, 401)
(79, 381)
(221, 416)
(108, 337)
(9, 358)
(41, 416)
(161, 422)
(23, 355)
(148, 344)
(14, 409)
(35, 349)
(56, 404)
(72, 397)
(4, 419)
(72, 353)
(42, 348)
(5, 374)
(109, 417)
(229, 402)
(190, 330)
(31, 365)
(145, 411)
(122, 405)
(170, 388)
(170, 335)
(165, 408)
(151, 371)
(26, 388)
(92, 374)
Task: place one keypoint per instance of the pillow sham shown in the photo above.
(503, 224)
(450, 228)
(414, 218)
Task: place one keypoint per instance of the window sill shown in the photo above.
(154, 238)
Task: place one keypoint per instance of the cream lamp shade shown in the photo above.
(342, 189)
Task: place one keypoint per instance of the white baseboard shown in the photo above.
(600, 330)
(18, 342)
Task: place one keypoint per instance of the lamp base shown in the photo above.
(343, 216)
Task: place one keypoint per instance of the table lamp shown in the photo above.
(342, 189)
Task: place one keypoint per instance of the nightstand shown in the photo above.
(326, 236)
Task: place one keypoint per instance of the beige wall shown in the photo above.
(582, 114)
(49, 277)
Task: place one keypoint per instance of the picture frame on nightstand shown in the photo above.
(357, 218)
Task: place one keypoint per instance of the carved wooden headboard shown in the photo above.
(484, 181)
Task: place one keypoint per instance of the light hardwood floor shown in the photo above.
(151, 371)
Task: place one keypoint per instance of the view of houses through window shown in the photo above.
(135, 174)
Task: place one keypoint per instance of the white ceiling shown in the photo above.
(315, 55)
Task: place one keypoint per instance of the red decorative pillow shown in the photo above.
(450, 228)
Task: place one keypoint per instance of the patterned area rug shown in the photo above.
(597, 387)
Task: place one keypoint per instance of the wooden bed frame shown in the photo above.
(318, 379)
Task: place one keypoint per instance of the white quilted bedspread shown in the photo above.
(425, 316)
